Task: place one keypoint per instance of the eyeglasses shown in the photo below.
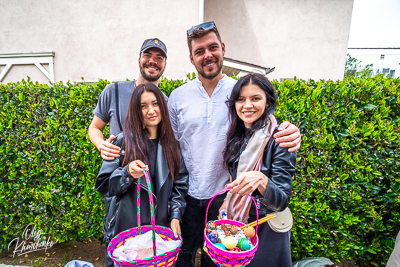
(204, 26)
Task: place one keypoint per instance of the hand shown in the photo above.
(223, 206)
(109, 151)
(135, 168)
(176, 227)
(289, 136)
(247, 182)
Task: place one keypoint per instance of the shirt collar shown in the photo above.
(220, 82)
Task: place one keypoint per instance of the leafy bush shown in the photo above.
(48, 164)
(347, 186)
(346, 191)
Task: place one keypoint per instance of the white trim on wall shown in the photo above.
(30, 58)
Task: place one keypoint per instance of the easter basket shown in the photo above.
(165, 259)
(229, 258)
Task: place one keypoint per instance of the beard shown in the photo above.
(210, 75)
(150, 78)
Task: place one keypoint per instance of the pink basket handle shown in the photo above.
(138, 206)
(222, 191)
(152, 212)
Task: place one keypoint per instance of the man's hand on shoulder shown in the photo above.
(288, 136)
(109, 151)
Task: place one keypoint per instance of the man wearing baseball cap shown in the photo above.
(152, 62)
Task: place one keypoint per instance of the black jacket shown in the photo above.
(279, 166)
(116, 182)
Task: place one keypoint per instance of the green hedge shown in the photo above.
(346, 190)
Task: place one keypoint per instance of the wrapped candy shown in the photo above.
(233, 230)
(225, 229)
(236, 249)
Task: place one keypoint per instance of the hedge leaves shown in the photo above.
(346, 190)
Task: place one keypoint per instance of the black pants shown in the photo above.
(109, 261)
(193, 223)
(273, 248)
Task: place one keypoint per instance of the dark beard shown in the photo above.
(149, 78)
(209, 76)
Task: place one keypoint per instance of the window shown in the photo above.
(391, 73)
(382, 56)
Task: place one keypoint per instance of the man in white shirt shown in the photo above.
(199, 117)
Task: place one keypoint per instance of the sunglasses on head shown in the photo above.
(204, 26)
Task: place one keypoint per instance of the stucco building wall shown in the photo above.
(95, 39)
(306, 38)
(101, 39)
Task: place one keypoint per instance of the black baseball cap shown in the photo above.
(154, 42)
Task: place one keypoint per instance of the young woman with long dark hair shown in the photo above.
(147, 141)
(251, 108)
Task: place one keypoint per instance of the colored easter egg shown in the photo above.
(220, 246)
(249, 231)
(229, 242)
(244, 244)
(213, 236)
(211, 225)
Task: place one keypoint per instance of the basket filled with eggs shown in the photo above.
(229, 242)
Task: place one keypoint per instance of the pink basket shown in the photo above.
(229, 258)
(166, 259)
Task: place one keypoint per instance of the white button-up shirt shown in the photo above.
(200, 124)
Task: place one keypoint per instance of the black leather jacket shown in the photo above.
(279, 166)
(116, 182)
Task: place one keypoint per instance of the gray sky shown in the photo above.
(375, 23)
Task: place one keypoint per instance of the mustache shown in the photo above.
(210, 61)
(151, 65)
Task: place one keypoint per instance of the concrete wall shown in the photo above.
(101, 39)
(95, 38)
(303, 38)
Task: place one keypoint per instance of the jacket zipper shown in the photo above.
(112, 219)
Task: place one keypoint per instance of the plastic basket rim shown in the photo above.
(142, 261)
(226, 252)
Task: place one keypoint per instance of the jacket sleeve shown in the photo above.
(282, 167)
(179, 191)
(113, 180)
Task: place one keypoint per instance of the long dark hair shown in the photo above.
(236, 132)
(137, 143)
